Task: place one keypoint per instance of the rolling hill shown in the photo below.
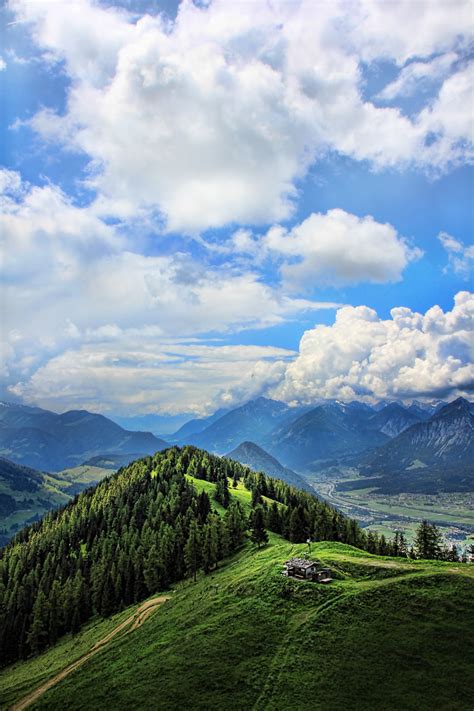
(49, 441)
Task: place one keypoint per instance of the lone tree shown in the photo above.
(258, 533)
(428, 541)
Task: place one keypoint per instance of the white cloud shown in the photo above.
(138, 373)
(213, 118)
(3, 64)
(45, 238)
(366, 358)
(460, 256)
(340, 248)
(418, 75)
(68, 278)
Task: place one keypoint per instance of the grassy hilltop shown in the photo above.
(386, 634)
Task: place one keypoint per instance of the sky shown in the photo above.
(210, 201)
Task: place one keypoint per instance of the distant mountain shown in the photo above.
(196, 425)
(50, 441)
(256, 458)
(325, 432)
(394, 419)
(252, 421)
(431, 456)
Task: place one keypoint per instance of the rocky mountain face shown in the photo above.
(430, 456)
(394, 419)
(252, 421)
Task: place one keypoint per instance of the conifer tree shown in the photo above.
(192, 549)
(258, 533)
(38, 635)
(298, 527)
(428, 541)
(274, 518)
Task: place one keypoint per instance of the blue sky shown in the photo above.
(214, 201)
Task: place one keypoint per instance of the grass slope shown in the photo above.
(386, 634)
(51, 492)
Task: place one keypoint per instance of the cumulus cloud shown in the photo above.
(460, 256)
(212, 118)
(340, 248)
(367, 358)
(68, 277)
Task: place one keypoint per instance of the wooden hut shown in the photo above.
(304, 569)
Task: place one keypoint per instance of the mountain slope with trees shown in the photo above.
(137, 532)
(256, 458)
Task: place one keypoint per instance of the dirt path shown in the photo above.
(135, 620)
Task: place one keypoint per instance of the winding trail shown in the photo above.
(135, 620)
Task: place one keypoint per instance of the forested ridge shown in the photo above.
(139, 531)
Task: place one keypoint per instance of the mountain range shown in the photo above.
(430, 456)
(420, 448)
(49, 441)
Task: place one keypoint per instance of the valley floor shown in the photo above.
(453, 513)
(386, 634)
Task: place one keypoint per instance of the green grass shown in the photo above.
(20, 678)
(386, 634)
(85, 474)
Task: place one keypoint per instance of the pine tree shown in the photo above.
(428, 541)
(258, 533)
(256, 497)
(39, 631)
(274, 518)
(298, 532)
(222, 495)
(192, 549)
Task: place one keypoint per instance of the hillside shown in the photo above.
(244, 637)
(137, 531)
(52, 442)
(26, 494)
(253, 456)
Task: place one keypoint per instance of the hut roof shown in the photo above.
(300, 563)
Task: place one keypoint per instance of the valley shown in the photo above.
(453, 512)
